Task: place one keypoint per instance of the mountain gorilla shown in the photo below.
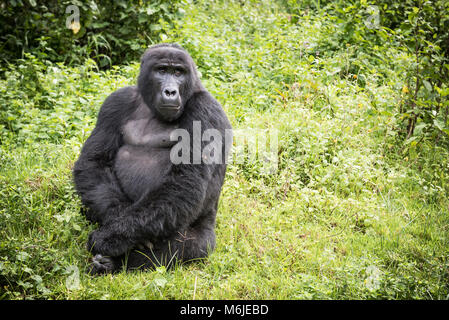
(151, 211)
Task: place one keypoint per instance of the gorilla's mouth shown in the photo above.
(170, 111)
(171, 107)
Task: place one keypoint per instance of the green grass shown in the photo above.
(347, 215)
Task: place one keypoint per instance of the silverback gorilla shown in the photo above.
(150, 210)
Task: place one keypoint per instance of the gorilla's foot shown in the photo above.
(146, 245)
(101, 264)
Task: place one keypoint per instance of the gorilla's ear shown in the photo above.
(198, 84)
(195, 74)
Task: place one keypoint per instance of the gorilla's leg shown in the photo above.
(194, 243)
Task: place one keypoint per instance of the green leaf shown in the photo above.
(411, 139)
(160, 281)
(439, 124)
(22, 256)
(36, 278)
(151, 10)
(427, 85)
(142, 18)
(443, 92)
(155, 27)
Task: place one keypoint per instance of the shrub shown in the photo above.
(110, 32)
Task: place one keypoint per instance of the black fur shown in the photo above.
(147, 216)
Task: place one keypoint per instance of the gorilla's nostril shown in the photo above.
(169, 92)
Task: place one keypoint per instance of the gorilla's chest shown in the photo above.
(143, 161)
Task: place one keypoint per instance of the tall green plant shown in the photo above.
(424, 33)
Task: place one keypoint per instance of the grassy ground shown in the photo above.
(345, 216)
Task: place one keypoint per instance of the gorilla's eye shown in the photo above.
(178, 72)
(162, 70)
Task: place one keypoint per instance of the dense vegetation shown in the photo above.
(109, 32)
(357, 91)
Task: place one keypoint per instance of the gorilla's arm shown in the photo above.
(94, 179)
(160, 214)
(167, 210)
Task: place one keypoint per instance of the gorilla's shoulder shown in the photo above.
(202, 99)
(117, 105)
(204, 105)
(121, 100)
(203, 95)
(125, 95)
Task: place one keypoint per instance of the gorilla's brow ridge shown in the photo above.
(173, 55)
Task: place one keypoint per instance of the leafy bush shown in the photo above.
(43, 101)
(420, 29)
(110, 32)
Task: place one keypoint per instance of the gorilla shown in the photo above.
(150, 210)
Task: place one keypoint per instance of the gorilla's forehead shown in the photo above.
(168, 55)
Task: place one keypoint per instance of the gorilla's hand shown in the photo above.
(101, 264)
(106, 242)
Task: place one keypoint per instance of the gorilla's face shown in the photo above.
(166, 81)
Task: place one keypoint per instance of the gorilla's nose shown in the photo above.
(170, 96)
(170, 92)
